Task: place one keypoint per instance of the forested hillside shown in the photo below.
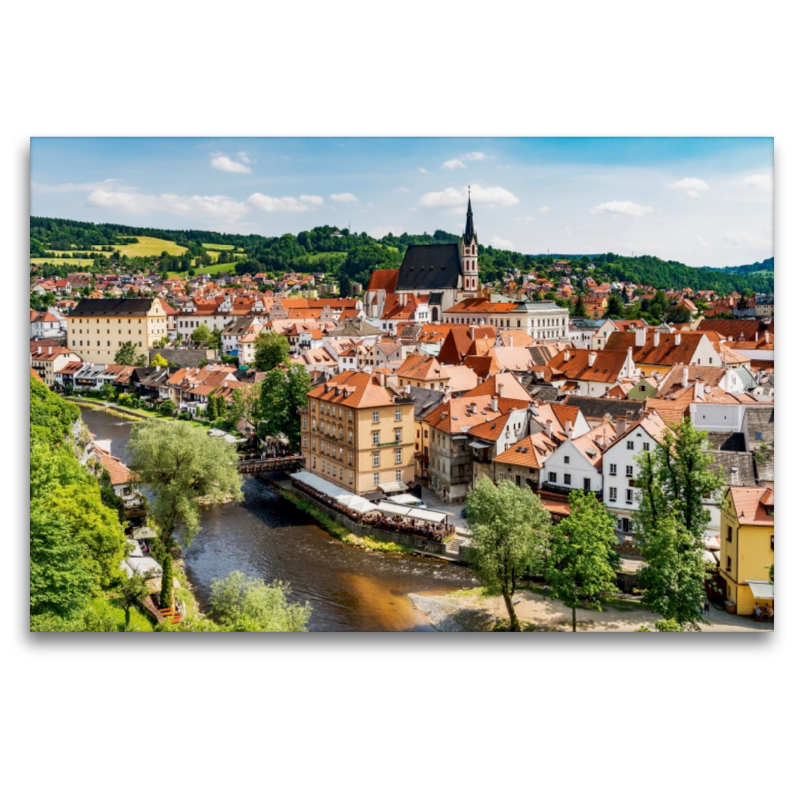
(353, 257)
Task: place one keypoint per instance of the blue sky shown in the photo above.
(703, 201)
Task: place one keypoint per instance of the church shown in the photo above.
(431, 279)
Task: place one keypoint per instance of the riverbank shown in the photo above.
(130, 414)
(476, 610)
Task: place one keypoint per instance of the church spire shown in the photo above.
(469, 233)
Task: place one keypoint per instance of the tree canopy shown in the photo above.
(271, 350)
(510, 528)
(182, 464)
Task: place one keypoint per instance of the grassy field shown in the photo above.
(150, 246)
(70, 262)
(214, 269)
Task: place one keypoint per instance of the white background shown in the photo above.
(392, 715)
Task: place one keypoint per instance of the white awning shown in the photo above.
(341, 496)
(478, 445)
(396, 486)
(762, 590)
(422, 514)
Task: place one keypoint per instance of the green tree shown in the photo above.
(202, 336)
(167, 408)
(271, 349)
(678, 314)
(582, 564)
(616, 308)
(510, 528)
(240, 603)
(166, 582)
(345, 285)
(132, 591)
(60, 577)
(158, 361)
(245, 406)
(298, 387)
(126, 354)
(275, 409)
(212, 411)
(674, 480)
(579, 309)
(181, 465)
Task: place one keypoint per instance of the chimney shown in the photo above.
(494, 404)
(38, 349)
(472, 332)
(756, 336)
(677, 339)
(382, 379)
(766, 336)
(568, 428)
(566, 356)
(685, 378)
(511, 340)
(699, 389)
(499, 388)
(548, 427)
(641, 337)
(474, 408)
(592, 357)
(656, 338)
(622, 425)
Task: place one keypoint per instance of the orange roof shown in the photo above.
(354, 390)
(460, 414)
(422, 368)
(529, 452)
(574, 364)
(503, 385)
(117, 471)
(462, 378)
(670, 411)
(668, 351)
(752, 503)
(385, 279)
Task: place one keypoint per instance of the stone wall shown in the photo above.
(185, 358)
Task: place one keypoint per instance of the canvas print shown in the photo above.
(402, 384)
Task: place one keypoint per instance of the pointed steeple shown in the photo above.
(469, 232)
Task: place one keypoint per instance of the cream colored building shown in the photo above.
(96, 329)
(359, 433)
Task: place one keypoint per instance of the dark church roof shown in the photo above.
(430, 267)
(469, 231)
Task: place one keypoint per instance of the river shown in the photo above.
(266, 536)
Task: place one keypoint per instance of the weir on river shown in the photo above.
(266, 536)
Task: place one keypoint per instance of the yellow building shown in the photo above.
(359, 433)
(96, 329)
(747, 546)
(49, 359)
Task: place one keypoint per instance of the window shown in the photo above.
(629, 495)
(772, 542)
(566, 459)
(398, 434)
(305, 422)
(397, 415)
(376, 459)
(629, 471)
(376, 417)
(314, 462)
(587, 484)
(305, 441)
(645, 445)
(376, 478)
(612, 494)
(568, 479)
(551, 477)
(612, 469)
(350, 458)
(341, 474)
(398, 475)
(630, 445)
(730, 533)
(398, 456)
(729, 564)
(376, 437)
(350, 435)
(351, 478)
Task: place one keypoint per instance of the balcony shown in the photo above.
(552, 487)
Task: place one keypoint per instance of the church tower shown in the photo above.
(469, 255)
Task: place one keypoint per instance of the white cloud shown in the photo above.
(692, 186)
(242, 154)
(454, 163)
(475, 156)
(482, 196)
(221, 162)
(423, 170)
(503, 244)
(625, 208)
(344, 197)
(526, 218)
(108, 184)
(402, 189)
(758, 181)
(313, 199)
(292, 204)
(544, 209)
(747, 240)
(217, 207)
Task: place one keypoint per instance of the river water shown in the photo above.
(266, 536)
